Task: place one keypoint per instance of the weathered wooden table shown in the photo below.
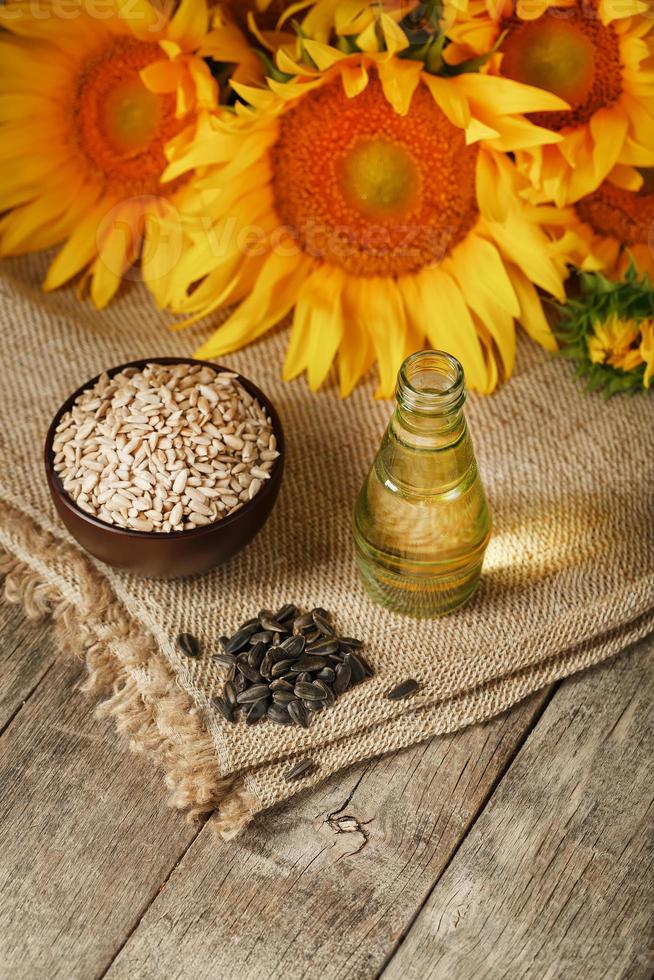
(516, 849)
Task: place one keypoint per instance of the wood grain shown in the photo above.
(325, 886)
(87, 839)
(556, 878)
(27, 651)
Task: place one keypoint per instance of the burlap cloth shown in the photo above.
(569, 577)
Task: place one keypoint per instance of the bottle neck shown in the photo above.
(430, 397)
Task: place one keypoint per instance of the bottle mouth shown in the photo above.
(431, 382)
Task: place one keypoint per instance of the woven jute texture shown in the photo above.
(569, 577)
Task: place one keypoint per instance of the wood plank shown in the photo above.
(27, 650)
(325, 886)
(87, 838)
(555, 879)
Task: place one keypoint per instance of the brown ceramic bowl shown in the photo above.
(179, 553)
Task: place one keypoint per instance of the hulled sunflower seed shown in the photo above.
(188, 644)
(174, 430)
(403, 690)
(299, 770)
(281, 667)
(224, 659)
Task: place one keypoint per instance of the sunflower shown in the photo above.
(596, 55)
(622, 344)
(376, 200)
(611, 228)
(87, 106)
(608, 330)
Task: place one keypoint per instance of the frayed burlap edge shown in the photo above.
(140, 692)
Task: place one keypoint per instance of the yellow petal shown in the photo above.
(381, 312)
(161, 76)
(488, 292)
(356, 354)
(450, 99)
(436, 305)
(119, 239)
(189, 23)
(526, 244)
(324, 56)
(505, 97)
(399, 81)
(355, 80)
(272, 298)
(80, 249)
(317, 326)
(395, 38)
(532, 316)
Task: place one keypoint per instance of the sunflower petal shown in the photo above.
(435, 304)
(273, 296)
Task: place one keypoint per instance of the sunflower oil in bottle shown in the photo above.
(421, 522)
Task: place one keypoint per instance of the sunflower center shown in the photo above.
(120, 126)
(378, 177)
(364, 188)
(621, 214)
(574, 56)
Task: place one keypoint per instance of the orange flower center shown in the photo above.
(568, 52)
(618, 213)
(364, 188)
(119, 125)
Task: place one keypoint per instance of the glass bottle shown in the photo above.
(421, 522)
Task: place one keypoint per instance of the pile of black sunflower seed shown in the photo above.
(287, 666)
